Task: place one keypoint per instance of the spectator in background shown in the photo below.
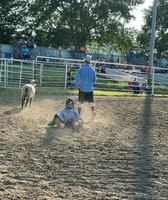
(22, 43)
(15, 43)
(118, 60)
(132, 57)
(103, 70)
(111, 58)
(146, 88)
(135, 86)
(30, 45)
(137, 56)
(82, 49)
(59, 52)
(25, 53)
(69, 77)
(81, 52)
(72, 48)
(127, 54)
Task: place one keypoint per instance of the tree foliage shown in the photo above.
(11, 18)
(81, 21)
(55, 23)
(161, 41)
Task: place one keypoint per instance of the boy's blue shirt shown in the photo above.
(85, 78)
(69, 114)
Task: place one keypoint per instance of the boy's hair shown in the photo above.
(70, 100)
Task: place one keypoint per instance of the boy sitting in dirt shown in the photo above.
(68, 116)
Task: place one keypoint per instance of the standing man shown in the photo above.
(84, 81)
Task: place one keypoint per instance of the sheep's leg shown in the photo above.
(30, 101)
(23, 100)
(27, 100)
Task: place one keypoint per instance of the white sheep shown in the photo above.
(28, 92)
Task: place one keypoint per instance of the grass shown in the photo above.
(54, 90)
(61, 91)
(53, 82)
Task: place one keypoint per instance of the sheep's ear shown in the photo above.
(33, 81)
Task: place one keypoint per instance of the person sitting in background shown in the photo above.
(103, 70)
(148, 89)
(135, 86)
(69, 77)
(142, 89)
(130, 85)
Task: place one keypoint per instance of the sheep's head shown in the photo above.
(33, 82)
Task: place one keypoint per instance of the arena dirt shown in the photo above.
(122, 155)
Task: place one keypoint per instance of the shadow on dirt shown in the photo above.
(143, 157)
(12, 111)
(52, 133)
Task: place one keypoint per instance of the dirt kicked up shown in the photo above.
(122, 155)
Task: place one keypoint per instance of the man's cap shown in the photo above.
(70, 100)
(88, 59)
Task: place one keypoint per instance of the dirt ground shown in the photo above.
(123, 155)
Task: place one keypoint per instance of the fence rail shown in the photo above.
(60, 73)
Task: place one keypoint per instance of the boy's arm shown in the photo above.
(61, 113)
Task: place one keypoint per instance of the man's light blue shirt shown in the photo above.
(85, 78)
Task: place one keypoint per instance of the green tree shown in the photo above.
(61, 22)
(161, 42)
(12, 19)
